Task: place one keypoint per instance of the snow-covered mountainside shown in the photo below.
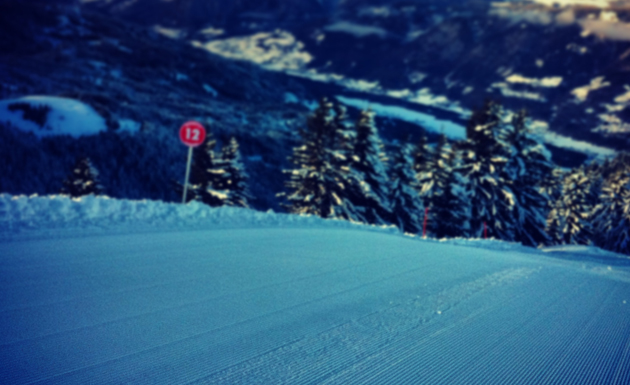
(563, 61)
(252, 70)
(142, 87)
(201, 295)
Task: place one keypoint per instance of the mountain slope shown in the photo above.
(132, 74)
(567, 65)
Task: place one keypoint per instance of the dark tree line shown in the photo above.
(215, 179)
(499, 181)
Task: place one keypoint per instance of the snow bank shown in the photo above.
(34, 217)
(37, 216)
(48, 116)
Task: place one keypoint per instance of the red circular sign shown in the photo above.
(192, 134)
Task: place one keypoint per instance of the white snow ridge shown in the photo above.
(99, 290)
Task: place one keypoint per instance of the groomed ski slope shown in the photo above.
(300, 304)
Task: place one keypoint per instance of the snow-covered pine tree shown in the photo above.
(484, 158)
(568, 221)
(594, 172)
(83, 180)
(552, 186)
(231, 176)
(371, 197)
(340, 155)
(318, 184)
(611, 217)
(407, 208)
(424, 165)
(205, 176)
(529, 165)
(449, 208)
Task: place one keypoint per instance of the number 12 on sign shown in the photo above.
(192, 134)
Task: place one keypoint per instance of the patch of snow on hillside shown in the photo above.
(533, 16)
(181, 77)
(171, 33)
(613, 30)
(612, 124)
(426, 97)
(508, 92)
(565, 3)
(560, 13)
(549, 82)
(128, 125)
(49, 116)
(211, 32)
(577, 145)
(362, 85)
(377, 11)
(290, 98)
(541, 130)
(278, 50)
(417, 77)
(581, 93)
(210, 90)
(625, 97)
(356, 30)
(429, 122)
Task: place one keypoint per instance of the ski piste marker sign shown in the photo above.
(192, 134)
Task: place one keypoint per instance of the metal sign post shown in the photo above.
(190, 150)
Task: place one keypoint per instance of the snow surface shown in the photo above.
(429, 122)
(66, 116)
(356, 30)
(233, 296)
(548, 82)
(277, 51)
(592, 3)
(129, 125)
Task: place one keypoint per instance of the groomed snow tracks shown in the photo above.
(304, 306)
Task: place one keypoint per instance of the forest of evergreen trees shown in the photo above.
(498, 183)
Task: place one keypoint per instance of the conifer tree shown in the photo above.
(407, 208)
(232, 177)
(484, 158)
(340, 154)
(611, 217)
(529, 165)
(371, 197)
(551, 185)
(424, 165)
(83, 180)
(449, 208)
(568, 220)
(318, 184)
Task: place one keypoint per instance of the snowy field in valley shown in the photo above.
(49, 116)
(98, 291)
